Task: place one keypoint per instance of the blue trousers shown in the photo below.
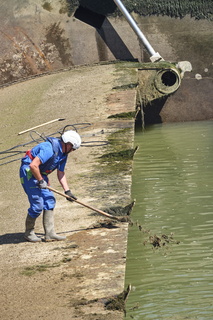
(39, 199)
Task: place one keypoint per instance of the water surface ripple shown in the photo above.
(173, 188)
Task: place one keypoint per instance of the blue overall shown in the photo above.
(51, 156)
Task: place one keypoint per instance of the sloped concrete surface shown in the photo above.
(71, 279)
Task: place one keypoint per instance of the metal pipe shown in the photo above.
(153, 54)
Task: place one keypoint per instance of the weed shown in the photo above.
(29, 271)
(66, 259)
(120, 155)
(47, 6)
(123, 115)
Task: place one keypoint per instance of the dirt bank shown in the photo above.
(72, 279)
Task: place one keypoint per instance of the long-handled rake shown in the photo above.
(121, 218)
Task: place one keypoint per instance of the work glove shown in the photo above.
(42, 184)
(69, 193)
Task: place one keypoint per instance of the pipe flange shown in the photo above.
(167, 80)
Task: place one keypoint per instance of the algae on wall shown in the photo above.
(197, 9)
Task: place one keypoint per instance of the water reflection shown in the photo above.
(173, 187)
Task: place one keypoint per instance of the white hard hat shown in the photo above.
(72, 137)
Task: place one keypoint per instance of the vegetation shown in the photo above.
(199, 9)
(123, 115)
(117, 159)
(30, 271)
(127, 154)
(55, 35)
(72, 5)
(47, 6)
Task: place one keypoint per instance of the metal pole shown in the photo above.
(153, 55)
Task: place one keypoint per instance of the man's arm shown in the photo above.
(63, 180)
(34, 167)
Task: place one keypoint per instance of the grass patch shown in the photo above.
(30, 271)
(47, 6)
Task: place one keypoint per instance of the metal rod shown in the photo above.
(136, 29)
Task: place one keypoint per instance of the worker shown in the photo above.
(36, 165)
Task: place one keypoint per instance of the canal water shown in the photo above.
(170, 244)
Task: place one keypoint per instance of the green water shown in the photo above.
(173, 188)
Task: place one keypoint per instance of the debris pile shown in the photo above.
(161, 241)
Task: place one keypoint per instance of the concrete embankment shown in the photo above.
(38, 37)
(73, 279)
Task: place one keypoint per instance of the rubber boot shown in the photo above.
(48, 222)
(29, 231)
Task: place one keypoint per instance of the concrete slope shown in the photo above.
(72, 279)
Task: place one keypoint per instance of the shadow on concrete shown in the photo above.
(151, 113)
(106, 32)
(14, 238)
(105, 7)
(90, 17)
(9, 238)
(114, 42)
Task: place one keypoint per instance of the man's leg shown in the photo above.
(36, 203)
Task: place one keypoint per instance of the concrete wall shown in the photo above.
(175, 39)
(191, 40)
(35, 40)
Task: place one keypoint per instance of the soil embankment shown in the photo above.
(72, 279)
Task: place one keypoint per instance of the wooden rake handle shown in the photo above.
(84, 204)
(40, 125)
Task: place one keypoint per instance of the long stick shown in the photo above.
(40, 125)
(85, 205)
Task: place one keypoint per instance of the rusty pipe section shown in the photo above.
(154, 56)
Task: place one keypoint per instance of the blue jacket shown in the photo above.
(50, 153)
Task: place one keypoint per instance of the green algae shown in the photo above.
(47, 6)
(126, 86)
(123, 115)
(116, 156)
(144, 65)
(118, 302)
(120, 155)
(197, 9)
(117, 159)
